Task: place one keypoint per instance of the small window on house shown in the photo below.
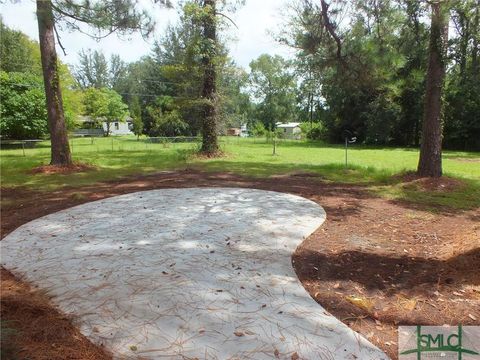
(284, 130)
(116, 126)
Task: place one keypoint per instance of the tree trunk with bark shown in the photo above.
(475, 47)
(330, 27)
(430, 162)
(209, 91)
(60, 153)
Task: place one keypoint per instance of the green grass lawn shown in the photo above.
(121, 156)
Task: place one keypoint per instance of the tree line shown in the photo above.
(386, 71)
(393, 72)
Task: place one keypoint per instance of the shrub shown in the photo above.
(169, 124)
(23, 114)
(315, 131)
(257, 129)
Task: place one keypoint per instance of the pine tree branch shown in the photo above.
(331, 28)
(59, 40)
(226, 17)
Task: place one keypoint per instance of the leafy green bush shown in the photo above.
(258, 129)
(137, 126)
(23, 114)
(169, 124)
(314, 131)
(277, 133)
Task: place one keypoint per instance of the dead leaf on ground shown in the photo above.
(360, 302)
(406, 303)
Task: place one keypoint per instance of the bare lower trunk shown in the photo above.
(209, 125)
(430, 162)
(56, 119)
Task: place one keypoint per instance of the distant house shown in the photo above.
(290, 130)
(234, 132)
(242, 131)
(90, 127)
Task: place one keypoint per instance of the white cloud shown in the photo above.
(254, 20)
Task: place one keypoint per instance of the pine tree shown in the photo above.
(105, 17)
(430, 162)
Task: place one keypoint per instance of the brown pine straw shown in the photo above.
(45, 333)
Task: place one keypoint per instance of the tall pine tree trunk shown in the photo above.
(475, 46)
(60, 153)
(430, 162)
(209, 91)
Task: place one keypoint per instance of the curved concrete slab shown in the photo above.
(185, 274)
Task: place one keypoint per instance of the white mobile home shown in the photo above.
(290, 130)
(119, 127)
(89, 127)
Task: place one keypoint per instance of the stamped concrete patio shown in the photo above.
(201, 273)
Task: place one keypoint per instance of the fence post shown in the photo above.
(346, 152)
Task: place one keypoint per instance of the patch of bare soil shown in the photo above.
(375, 264)
(444, 184)
(68, 169)
(206, 156)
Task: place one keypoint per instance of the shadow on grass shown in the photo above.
(332, 172)
(464, 196)
(352, 147)
(285, 143)
(117, 164)
(110, 166)
(453, 155)
(385, 183)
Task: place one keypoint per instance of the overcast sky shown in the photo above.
(256, 20)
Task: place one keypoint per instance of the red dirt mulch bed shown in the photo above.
(69, 169)
(375, 264)
(214, 155)
(40, 332)
(444, 184)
